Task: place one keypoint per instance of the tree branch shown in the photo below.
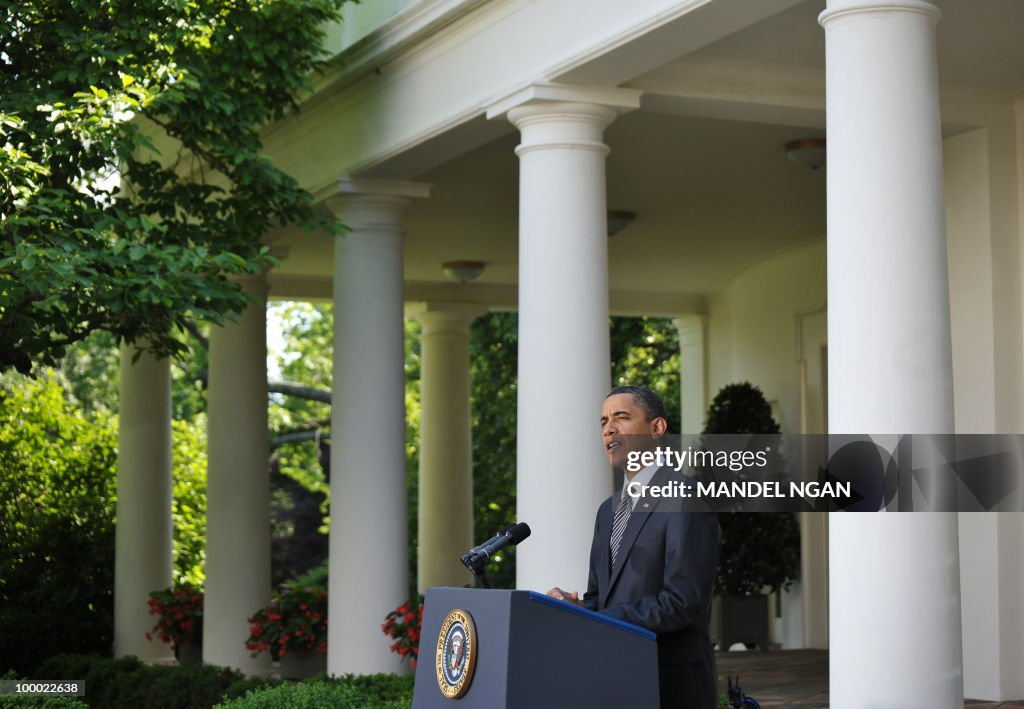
(312, 434)
(193, 330)
(299, 391)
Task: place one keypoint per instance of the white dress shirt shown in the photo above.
(643, 477)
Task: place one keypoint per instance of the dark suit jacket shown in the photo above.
(663, 577)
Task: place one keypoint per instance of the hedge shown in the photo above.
(128, 682)
(372, 692)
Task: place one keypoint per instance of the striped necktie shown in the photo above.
(619, 524)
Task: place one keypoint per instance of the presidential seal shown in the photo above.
(455, 658)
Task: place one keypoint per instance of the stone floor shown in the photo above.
(796, 678)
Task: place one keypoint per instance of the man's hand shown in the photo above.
(570, 596)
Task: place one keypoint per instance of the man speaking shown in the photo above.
(653, 560)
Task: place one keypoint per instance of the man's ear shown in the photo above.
(658, 427)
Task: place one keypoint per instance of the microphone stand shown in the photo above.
(481, 575)
(478, 568)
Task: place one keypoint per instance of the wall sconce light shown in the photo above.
(463, 271)
(809, 152)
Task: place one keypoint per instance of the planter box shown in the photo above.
(302, 666)
(189, 654)
(743, 619)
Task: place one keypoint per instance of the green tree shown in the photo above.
(759, 549)
(645, 351)
(57, 517)
(494, 339)
(56, 525)
(188, 504)
(300, 433)
(167, 98)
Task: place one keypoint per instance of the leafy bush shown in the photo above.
(41, 702)
(37, 701)
(57, 505)
(188, 507)
(316, 576)
(367, 692)
(128, 682)
(56, 525)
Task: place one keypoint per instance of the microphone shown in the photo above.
(511, 535)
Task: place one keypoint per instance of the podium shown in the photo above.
(495, 649)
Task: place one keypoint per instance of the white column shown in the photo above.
(142, 545)
(369, 553)
(564, 370)
(446, 445)
(692, 377)
(894, 578)
(237, 487)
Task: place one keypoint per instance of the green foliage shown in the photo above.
(188, 506)
(412, 443)
(128, 682)
(645, 352)
(169, 98)
(759, 549)
(740, 408)
(41, 702)
(90, 371)
(366, 692)
(56, 525)
(299, 480)
(36, 701)
(317, 576)
(57, 507)
(493, 343)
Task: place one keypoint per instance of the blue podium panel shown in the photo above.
(525, 650)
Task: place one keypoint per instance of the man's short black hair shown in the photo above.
(646, 399)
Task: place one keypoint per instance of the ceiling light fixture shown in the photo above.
(619, 221)
(463, 271)
(809, 152)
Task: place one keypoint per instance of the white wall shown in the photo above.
(983, 238)
(752, 327)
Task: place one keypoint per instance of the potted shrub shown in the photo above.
(403, 625)
(760, 550)
(293, 629)
(180, 621)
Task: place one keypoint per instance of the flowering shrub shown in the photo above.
(295, 623)
(403, 624)
(180, 612)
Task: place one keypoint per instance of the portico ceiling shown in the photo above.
(702, 164)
